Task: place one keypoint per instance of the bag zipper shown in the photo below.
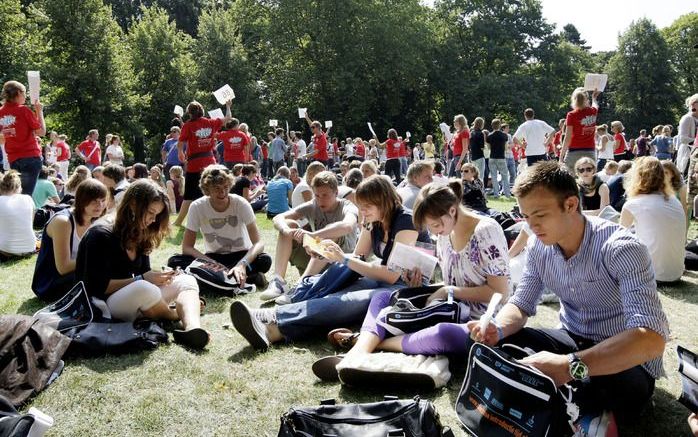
(351, 421)
(530, 390)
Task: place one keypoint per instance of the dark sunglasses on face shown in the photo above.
(465, 171)
(585, 170)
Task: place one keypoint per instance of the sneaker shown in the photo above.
(245, 322)
(259, 280)
(601, 424)
(276, 288)
(284, 299)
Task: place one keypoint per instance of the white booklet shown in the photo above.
(223, 94)
(406, 258)
(595, 82)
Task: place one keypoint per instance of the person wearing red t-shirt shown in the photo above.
(392, 154)
(89, 150)
(63, 157)
(580, 133)
(620, 148)
(235, 144)
(359, 149)
(20, 127)
(319, 140)
(199, 136)
(461, 145)
(556, 145)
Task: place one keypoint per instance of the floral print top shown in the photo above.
(486, 254)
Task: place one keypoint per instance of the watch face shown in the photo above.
(579, 370)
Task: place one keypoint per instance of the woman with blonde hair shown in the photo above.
(114, 263)
(155, 175)
(80, 174)
(16, 215)
(594, 192)
(461, 144)
(175, 188)
(619, 147)
(662, 144)
(580, 130)
(604, 146)
(673, 176)
(657, 217)
(473, 192)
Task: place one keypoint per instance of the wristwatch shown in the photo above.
(578, 370)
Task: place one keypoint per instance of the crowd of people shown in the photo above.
(605, 221)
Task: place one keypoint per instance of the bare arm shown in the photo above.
(566, 143)
(38, 107)
(59, 230)
(626, 218)
(337, 229)
(188, 243)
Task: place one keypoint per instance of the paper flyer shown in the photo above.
(273, 123)
(302, 112)
(178, 110)
(406, 258)
(328, 124)
(223, 94)
(216, 113)
(594, 81)
(34, 79)
(370, 127)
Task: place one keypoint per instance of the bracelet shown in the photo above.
(248, 267)
(345, 261)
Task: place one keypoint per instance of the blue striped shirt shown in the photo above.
(607, 287)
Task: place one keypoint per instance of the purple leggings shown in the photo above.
(442, 338)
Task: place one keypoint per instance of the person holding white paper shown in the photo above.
(580, 131)
(392, 153)
(319, 140)
(198, 134)
(20, 127)
(472, 252)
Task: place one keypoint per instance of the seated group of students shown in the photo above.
(612, 322)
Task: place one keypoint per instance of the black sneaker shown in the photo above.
(259, 280)
(249, 326)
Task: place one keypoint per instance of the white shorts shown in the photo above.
(129, 302)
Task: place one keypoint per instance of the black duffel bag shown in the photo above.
(115, 338)
(392, 417)
(12, 423)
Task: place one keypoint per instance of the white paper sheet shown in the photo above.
(370, 127)
(287, 127)
(328, 124)
(407, 258)
(302, 112)
(179, 110)
(446, 130)
(594, 81)
(216, 113)
(408, 134)
(223, 94)
(273, 123)
(34, 79)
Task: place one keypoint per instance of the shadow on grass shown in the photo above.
(682, 290)
(176, 236)
(110, 363)
(30, 306)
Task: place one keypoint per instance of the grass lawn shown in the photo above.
(232, 390)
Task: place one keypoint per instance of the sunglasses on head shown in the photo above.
(585, 170)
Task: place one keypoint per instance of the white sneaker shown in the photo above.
(277, 287)
(284, 299)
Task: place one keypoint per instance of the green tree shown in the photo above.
(21, 42)
(89, 72)
(572, 35)
(184, 12)
(644, 93)
(681, 36)
(164, 71)
(222, 59)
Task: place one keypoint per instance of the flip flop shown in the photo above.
(342, 338)
(196, 338)
(395, 380)
(326, 367)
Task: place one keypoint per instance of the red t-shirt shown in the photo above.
(62, 151)
(557, 139)
(234, 145)
(18, 124)
(265, 151)
(200, 138)
(583, 124)
(92, 152)
(360, 150)
(392, 148)
(320, 141)
(458, 142)
(403, 149)
(621, 147)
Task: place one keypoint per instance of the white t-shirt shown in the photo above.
(660, 224)
(302, 148)
(117, 154)
(607, 151)
(534, 132)
(224, 232)
(16, 234)
(297, 195)
(349, 148)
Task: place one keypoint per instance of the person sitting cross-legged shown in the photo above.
(612, 327)
(328, 217)
(228, 225)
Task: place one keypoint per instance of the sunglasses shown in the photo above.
(585, 170)
(465, 171)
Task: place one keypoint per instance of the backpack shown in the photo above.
(213, 277)
(408, 312)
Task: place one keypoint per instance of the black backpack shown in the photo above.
(13, 424)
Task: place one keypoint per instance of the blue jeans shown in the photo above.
(29, 169)
(299, 321)
(300, 165)
(511, 166)
(499, 166)
(454, 172)
(403, 165)
(480, 165)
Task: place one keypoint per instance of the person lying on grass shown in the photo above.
(472, 252)
(113, 261)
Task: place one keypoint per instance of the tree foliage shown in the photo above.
(681, 36)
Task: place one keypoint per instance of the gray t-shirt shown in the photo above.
(317, 219)
(224, 232)
(408, 194)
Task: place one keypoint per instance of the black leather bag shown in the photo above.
(117, 338)
(13, 424)
(408, 311)
(392, 417)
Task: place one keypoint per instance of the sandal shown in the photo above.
(196, 338)
(342, 338)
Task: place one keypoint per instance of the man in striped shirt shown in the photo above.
(612, 327)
